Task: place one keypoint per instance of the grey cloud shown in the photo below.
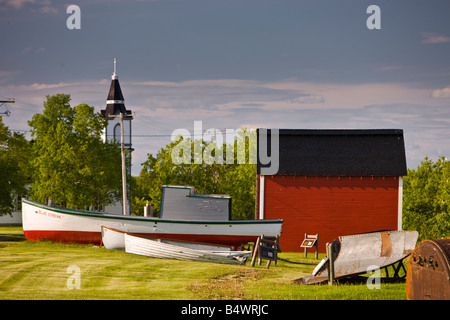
(206, 95)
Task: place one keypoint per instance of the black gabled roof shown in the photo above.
(369, 152)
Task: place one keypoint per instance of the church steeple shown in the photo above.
(118, 130)
(115, 103)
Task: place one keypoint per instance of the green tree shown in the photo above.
(14, 173)
(71, 164)
(211, 176)
(426, 194)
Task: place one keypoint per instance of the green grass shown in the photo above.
(38, 270)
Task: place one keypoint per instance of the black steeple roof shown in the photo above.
(115, 93)
(115, 103)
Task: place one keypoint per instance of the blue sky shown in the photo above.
(280, 64)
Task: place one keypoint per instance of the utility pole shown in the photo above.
(124, 171)
(7, 112)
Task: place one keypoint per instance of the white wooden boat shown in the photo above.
(116, 239)
(42, 222)
(113, 239)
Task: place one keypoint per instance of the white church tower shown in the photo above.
(115, 105)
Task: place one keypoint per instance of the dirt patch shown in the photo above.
(230, 286)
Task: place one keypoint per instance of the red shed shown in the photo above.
(333, 183)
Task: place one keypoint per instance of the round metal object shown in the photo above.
(428, 275)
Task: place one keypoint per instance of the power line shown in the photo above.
(151, 135)
(2, 102)
(20, 101)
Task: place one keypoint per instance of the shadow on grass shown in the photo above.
(12, 237)
(298, 262)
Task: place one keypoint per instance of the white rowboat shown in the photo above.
(116, 239)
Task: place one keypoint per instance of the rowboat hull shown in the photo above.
(166, 249)
(159, 249)
(42, 222)
(114, 239)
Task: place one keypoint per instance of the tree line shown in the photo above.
(208, 177)
(426, 199)
(66, 161)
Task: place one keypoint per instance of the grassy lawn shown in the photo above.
(39, 270)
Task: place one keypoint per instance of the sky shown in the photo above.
(237, 63)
